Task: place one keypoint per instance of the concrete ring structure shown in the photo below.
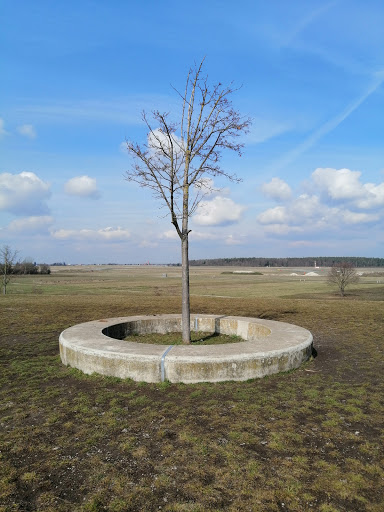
(268, 347)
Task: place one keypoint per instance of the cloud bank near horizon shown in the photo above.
(330, 203)
(335, 202)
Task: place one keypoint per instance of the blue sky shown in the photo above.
(76, 76)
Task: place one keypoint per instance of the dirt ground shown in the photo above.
(310, 439)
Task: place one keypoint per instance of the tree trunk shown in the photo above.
(185, 316)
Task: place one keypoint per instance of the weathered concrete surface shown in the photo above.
(269, 347)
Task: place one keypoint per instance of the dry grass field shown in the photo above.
(310, 439)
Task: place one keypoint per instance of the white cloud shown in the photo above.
(23, 193)
(308, 207)
(345, 185)
(205, 186)
(277, 189)
(170, 234)
(374, 196)
(305, 210)
(338, 184)
(220, 211)
(307, 214)
(34, 224)
(277, 215)
(159, 143)
(358, 218)
(2, 129)
(27, 130)
(82, 186)
(108, 234)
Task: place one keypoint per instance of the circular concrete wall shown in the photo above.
(268, 347)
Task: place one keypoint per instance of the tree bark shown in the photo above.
(185, 311)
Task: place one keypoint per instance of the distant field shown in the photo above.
(311, 439)
(205, 281)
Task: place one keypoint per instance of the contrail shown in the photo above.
(303, 24)
(332, 123)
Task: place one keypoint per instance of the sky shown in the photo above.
(76, 75)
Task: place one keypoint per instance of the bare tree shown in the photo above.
(180, 157)
(7, 259)
(342, 275)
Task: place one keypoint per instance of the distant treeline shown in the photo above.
(321, 261)
(25, 267)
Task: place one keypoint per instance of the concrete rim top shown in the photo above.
(269, 347)
(273, 338)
